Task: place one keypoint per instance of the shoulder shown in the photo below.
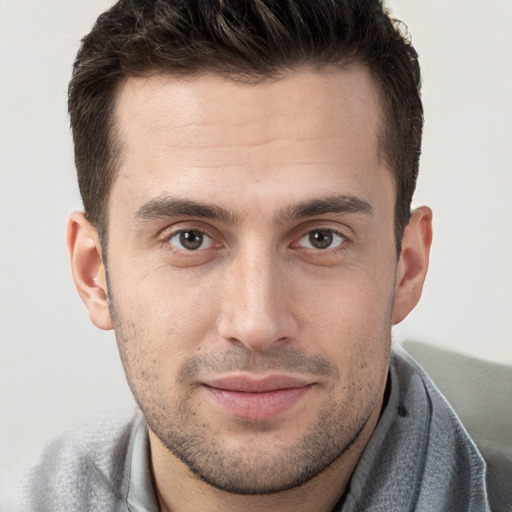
(450, 470)
(480, 393)
(444, 426)
(84, 469)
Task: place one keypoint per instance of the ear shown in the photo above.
(88, 269)
(413, 263)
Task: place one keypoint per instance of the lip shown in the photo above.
(256, 398)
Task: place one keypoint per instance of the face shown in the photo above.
(251, 269)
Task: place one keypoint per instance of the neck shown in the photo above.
(179, 490)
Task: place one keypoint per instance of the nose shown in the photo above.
(255, 300)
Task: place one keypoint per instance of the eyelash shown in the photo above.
(166, 241)
(341, 246)
(169, 235)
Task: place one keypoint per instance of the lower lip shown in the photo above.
(257, 406)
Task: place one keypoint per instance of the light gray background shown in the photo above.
(56, 368)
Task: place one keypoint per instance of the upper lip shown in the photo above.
(251, 384)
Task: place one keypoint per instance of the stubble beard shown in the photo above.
(253, 471)
(236, 469)
(247, 467)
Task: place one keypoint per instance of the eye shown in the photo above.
(322, 239)
(191, 240)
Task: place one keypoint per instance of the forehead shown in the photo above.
(211, 131)
(314, 98)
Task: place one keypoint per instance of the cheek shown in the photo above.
(162, 300)
(350, 320)
(351, 301)
(159, 322)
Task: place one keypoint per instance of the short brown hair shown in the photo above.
(249, 40)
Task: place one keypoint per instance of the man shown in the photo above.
(247, 169)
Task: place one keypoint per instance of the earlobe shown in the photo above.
(413, 263)
(88, 269)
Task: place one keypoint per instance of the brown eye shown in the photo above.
(322, 239)
(190, 240)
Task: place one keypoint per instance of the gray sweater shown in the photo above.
(419, 458)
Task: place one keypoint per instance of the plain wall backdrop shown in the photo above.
(56, 368)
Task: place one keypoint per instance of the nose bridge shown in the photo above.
(254, 308)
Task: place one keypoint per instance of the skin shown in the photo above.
(272, 290)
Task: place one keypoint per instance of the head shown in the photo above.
(248, 170)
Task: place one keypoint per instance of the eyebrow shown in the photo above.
(330, 204)
(172, 207)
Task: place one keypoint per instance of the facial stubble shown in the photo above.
(258, 462)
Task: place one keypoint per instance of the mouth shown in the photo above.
(256, 399)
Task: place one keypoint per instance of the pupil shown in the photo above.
(191, 239)
(320, 239)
